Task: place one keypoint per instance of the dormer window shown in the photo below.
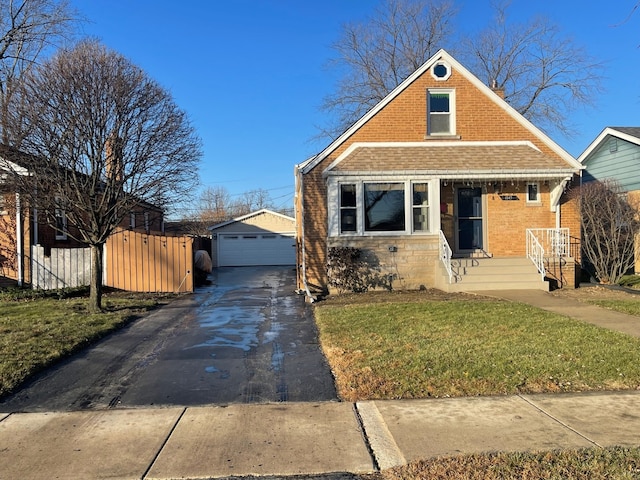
(441, 112)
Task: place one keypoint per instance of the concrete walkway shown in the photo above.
(601, 317)
(303, 438)
(281, 439)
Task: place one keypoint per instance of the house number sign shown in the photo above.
(509, 197)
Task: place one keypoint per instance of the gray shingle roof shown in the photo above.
(468, 158)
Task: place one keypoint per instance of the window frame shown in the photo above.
(452, 112)
(60, 213)
(334, 189)
(536, 200)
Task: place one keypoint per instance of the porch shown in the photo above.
(548, 262)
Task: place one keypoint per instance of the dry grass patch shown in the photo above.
(583, 464)
(37, 329)
(390, 348)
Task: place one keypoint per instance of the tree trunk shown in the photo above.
(95, 296)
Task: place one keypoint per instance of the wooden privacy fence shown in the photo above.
(139, 262)
(63, 268)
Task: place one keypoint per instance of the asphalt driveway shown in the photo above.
(247, 338)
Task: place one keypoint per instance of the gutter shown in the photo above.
(303, 264)
(19, 241)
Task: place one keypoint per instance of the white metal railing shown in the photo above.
(546, 243)
(554, 241)
(535, 252)
(445, 256)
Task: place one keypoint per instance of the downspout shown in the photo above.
(303, 263)
(19, 241)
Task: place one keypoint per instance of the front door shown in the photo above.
(469, 231)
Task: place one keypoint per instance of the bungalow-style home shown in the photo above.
(25, 236)
(442, 184)
(615, 155)
(263, 237)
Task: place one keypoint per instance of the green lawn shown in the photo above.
(460, 348)
(38, 329)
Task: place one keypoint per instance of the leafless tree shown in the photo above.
(103, 139)
(544, 75)
(609, 228)
(250, 201)
(28, 29)
(378, 55)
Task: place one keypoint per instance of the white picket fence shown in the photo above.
(64, 268)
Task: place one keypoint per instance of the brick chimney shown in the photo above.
(496, 89)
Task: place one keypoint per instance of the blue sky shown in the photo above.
(251, 74)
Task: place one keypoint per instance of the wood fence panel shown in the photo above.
(64, 268)
(140, 262)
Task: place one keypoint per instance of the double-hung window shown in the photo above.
(441, 112)
(348, 208)
(420, 207)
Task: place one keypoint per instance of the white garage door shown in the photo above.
(256, 249)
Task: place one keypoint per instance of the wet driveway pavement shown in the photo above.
(247, 338)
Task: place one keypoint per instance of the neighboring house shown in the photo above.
(25, 235)
(442, 184)
(615, 155)
(263, 237)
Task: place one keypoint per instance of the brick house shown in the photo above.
(615, 155)
(23, 230)
(442, 184)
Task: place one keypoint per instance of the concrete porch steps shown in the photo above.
(508, 273)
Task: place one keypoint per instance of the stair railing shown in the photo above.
(535, 252)
(445, 256)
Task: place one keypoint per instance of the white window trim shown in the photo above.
(452, 112)
(445, 65)
(61, 212)
(537, 200)
(333, 207)
(132, 221)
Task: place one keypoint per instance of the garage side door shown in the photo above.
(243, 250)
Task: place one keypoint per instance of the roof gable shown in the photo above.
(629, 134)
(264, 211)
(440, 56)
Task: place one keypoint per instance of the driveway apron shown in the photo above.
(246, 338)
(250, 339)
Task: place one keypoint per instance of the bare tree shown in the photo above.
(544, 75)
(250, 201)
(214, 205)
(103, 139)
(609, 228)
(28, 28)
(378, 55)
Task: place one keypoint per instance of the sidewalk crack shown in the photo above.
(557, 420)
(164, 443)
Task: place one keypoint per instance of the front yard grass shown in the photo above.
(38, 329)
(440, 348)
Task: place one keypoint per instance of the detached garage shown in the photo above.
(259, 238)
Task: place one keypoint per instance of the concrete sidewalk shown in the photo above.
(304, 438)
(281, 439)
(595, 315)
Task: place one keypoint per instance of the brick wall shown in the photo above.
(404, 119)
